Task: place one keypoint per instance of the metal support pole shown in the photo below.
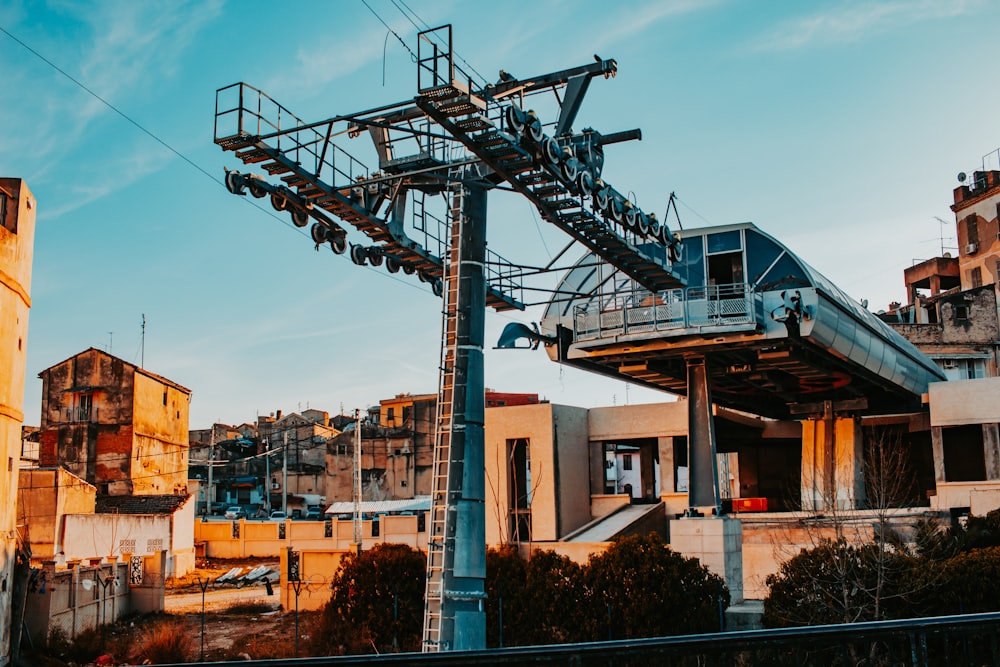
(203, 585)
(703, 477)
(463, 573)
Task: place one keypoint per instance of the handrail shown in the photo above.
(641, 311)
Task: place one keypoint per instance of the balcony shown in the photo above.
(730, 307)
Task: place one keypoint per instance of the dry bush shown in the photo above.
(163, 643)
(249, 608)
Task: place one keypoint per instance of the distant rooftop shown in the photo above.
(166, 504)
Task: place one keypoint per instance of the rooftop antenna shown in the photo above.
(142, 343)
(941, 231)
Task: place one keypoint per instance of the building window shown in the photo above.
(3, 213)
(972, 229)
(164, 396)
(390, 416)
(627, 461)
(83, 407)
(976, 277)
(519, 489)
(975, 368)
(961, 312)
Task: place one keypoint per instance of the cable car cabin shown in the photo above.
(777, 336)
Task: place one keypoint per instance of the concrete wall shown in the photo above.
(965, 402)
(44, 497)
(114, 535)
(316, 571)
(638, 421)
(182, 539)
(17, 238)
(980, 497)
(560, 469)
(77, 599)
(245, 539)
(160, 428)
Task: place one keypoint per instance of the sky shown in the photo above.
(838, 127)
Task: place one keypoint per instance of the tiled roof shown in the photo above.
(167, 504)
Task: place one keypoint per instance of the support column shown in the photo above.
(715, 541)
(703, 475)
(848, 463)
(991, 451)
(668, 484)
(462, 589)
(937, 451)
(832, 462)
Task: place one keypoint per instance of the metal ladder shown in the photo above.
(440, 540)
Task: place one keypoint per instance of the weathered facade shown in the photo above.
(17, 237)
(45, 496)
(116, 425)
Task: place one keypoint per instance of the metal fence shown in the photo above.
(925, 642)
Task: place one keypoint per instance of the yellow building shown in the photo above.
(17, 235)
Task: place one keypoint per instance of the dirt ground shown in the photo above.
(238, 619)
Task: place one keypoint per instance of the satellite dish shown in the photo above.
(962, 177)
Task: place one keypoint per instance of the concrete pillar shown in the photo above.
(715, 541)
(668, 483)
(814, 455)
(991, 451)
(848, 464)
(832, 463)
(937, 450)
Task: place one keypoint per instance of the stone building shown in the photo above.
(397, 448)
(17, 236)
(119, 427)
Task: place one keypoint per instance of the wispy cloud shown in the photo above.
(130, 46)
(627, 24)
(117, 172)
(853, 21)
(316, 66)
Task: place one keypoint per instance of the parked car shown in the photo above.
(277, 515)
(314, 514)
(236, 513)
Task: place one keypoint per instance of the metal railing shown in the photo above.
(675, 309)
(254, 114)
(920, 642)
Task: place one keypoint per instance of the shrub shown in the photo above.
(839, 582)
(506, 579)
(540, 598)
(377, 603)
(639, 587)
(967, 583)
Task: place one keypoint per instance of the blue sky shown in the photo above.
(837, 127)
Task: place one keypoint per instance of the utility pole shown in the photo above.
(357, 480)
(267, 477)
(284, 472)
(211, 464)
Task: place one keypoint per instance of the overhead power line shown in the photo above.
(186, 159)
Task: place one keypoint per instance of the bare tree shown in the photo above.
(854, 562)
